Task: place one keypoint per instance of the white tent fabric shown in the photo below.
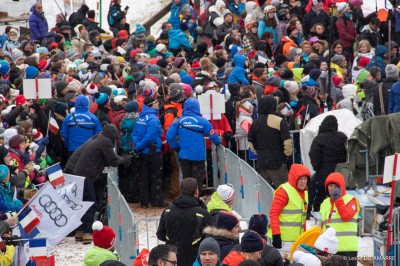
(372, 4)
(347, 123)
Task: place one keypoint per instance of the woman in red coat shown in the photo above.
(345, 28)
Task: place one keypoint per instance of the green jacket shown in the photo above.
(216, 203)
(95, 256)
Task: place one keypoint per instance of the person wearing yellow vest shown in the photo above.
(340, 211)
(289, 209)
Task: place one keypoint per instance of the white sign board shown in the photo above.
(213, 103)
(44, 88)
(388, 175)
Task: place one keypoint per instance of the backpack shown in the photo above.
(367, 110)
(112, 15)
(209, 29)
(126, 130)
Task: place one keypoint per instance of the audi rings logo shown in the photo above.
(51, 208)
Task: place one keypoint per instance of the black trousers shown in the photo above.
(151, 179)
(316, 192)
(129, 180)
(195, 169)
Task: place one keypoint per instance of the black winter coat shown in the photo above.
(95, 155)
(312, 107)
(230, 111)
(92, 25)
(226, 239)
(270, 256)
(387, 84)
(182, 224)
(311, 18)
(76, 18)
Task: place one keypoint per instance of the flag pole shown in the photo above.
(48, 124)
(305, 117)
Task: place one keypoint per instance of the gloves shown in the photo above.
(336, 193)
(227, 136)
(126, 160)
(277, 241)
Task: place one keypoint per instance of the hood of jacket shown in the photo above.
(33, 10)
(267, 105)
(220, 232)
(76, 29)
(329, 124)
(239, 60)
(216, 203)
(82, 103)
(250, 6)
(297, 171)
(380, 50)
(214, 9)
(185, 201)
(148, 111)
(191, 107)
(338, 179)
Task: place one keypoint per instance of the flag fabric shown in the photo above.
(37, 250)
(53, 126)
(55, 174)
(28, 220)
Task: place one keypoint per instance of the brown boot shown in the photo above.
(87, 239)
(78, 236)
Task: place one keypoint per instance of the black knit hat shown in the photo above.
(220, 62)
(226, 220)
(234, 88)
(149, 101)
(258, 223)
(162, 63)
(251, 242)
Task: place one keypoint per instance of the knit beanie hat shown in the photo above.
(392, 71)
(187, 79)
(364, 61)
(219, 4)
(259, 223)
(97, 77)
(336, 80)
(154, 69)
(175, 93)
(4, 67)
(258, 72)
(315, 73)
(20, 99)
(187, 90)
(103, 236)
(131, 107)
(226, 12)
(226, 220)
(179, 61)
(337, 59)
(149, 101)
(251, 242)
(31, 72)
(16, 140)
(3, 172)
(92, 89)
(123, 34)
(149, 92)
(162, 63)
(160, 47)
(101, 98)
(328, 241)
(209, 244)
(71, 52)
(342, 7)
(309, 91)
(105, 89)
(306, 258)
(36, 135)
(140, 29)
(291, 86)
(16, 54)
(226, 192)
(274, 81)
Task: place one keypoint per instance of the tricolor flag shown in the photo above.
(38, 251)
(55, 174)
(28, 220)
(53, 126)
(307, 116)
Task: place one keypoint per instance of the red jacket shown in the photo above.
(234, 258)
(281, 198)
(346, 211)
(220, 126)
(347, 32)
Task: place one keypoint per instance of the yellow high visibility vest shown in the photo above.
(293, 215)
(346, 232)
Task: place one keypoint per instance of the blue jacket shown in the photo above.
(174, 19)
(377, 60)
(191, 128)
(3, 39)
(238, 74)
(147, 131)
(394, 98)
(397, 19)
(80, 126)
(37, 25)
(178, 39)
(7, 204)
(262, 28)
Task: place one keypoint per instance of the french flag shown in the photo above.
(55, 175)
(28, 220)
(53, 126)
(38, 251)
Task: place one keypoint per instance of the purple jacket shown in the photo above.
(38, 25)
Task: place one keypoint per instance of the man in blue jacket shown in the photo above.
(238, 74)
(174, 19)
(147, 141)
(80, 126)
(38, 23)
(191, 128)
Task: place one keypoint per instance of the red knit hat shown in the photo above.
(133, 52)
(20, 99)
(336, 80)
(364, 61)
(123, 34)
(103, 236)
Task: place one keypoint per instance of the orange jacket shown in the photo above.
(287, 44)
(346, 211)
(269, 89)
(234, 258)
(281, 198)
(169, 117)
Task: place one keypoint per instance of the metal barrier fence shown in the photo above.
(121, 220)
(253, 193)
(395, 248)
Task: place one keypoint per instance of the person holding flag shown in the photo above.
(8, 201)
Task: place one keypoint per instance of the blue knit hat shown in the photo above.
(4, 67)
(42, 50)
(140, 29)
(31, 72)
(3, 172)
(132, 106)
(101, 98)
(187, 79)
(258, 223)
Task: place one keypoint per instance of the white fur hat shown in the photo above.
(306, 258)
(291, 86)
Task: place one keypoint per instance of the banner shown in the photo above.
(70, 195)
(78, 180)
